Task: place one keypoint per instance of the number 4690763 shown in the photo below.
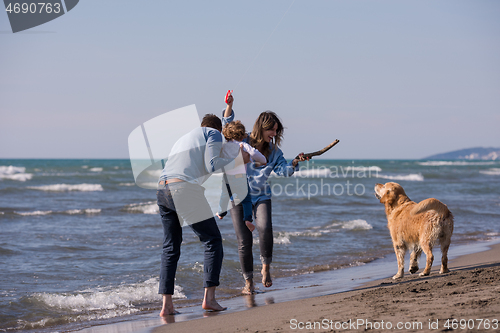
(33, 8)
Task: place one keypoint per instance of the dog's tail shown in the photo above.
(432, 204)
(441, 218)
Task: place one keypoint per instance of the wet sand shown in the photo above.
(468, 296)
(354, 299)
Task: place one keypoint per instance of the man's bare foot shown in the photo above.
(212, 306)
(266, 276)
(209, 302)
(250, 225)
(249, 288)
(165, 312)
(168, 306)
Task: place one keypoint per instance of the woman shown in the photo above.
(266, 137)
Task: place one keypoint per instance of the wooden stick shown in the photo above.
(320, 152)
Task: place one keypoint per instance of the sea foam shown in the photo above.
(123, 296)
(67, 187)
(149, 207)
(337, 172)
(89, 211)
(456, 163)
(415, 177)
(34, 213)
(357, 225)
(285, 237)
(14, 173)
(491, 172)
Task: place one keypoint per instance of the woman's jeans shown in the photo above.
(263, 221)
(207, 230)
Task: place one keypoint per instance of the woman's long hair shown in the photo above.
(266, 121)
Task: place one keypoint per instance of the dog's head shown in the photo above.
(390, 193)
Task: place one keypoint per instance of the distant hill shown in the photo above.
(479, 153)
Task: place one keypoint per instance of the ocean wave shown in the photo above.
(284, 237)
(361, 168)
(89, 211)
(67, 187)
(120, 297)
(35, 213)
(126, 184)
(96, 304)
(313, 173)
(14, 173)
(416, 177)
(491, 172)
(456, 163)
(336, 172)
(357, 225)
(149, 207)
(95, 169)
(155, 173)
(92, 211)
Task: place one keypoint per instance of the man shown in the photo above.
(181, 201)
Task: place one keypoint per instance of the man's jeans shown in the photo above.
(194, 204)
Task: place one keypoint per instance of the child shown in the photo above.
(234, 132)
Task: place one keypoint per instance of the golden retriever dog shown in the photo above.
(415, 226)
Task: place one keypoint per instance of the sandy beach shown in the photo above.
(466, 298)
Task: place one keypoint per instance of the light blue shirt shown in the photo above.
(195, 156)
(257, 176)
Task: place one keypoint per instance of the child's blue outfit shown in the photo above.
(234, 183)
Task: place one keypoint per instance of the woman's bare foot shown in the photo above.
(220, 217)
(209, 302)
(266, 276)
(249, 288)
(250, 225)
(168, 306)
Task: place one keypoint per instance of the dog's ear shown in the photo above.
(388, 197)
(383, 199)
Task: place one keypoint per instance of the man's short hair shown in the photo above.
(211, 120)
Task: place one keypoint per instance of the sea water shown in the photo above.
(80, 243)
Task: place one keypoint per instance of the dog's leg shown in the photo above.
(417, 251)
(445, 245)
(427, 248)
(400, 255)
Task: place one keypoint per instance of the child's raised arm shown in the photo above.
(229, 108)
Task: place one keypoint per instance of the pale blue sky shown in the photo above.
(390, 79)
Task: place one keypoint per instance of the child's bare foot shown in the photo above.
(249, 288)
(266, 276)
(250, 225)
(212, 306)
